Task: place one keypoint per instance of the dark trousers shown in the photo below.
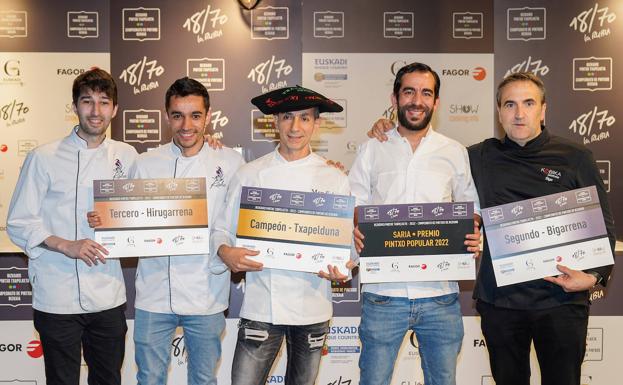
(559, 336)
(101, 336)
(259, 343)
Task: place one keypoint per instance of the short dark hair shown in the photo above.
(415, 67)
(315, 114)
(520, 77)
(95, 79)
(184, 87)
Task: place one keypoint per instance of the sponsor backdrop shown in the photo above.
(348, 50)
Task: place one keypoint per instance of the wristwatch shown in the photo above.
(597, 276)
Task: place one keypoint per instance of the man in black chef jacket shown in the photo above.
(551, 312)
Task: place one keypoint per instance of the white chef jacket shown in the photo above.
(276, 296)
(53, 194)
(391, 172)
(183, 284)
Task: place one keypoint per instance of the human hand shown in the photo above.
(379, 129)
(335, 274)
(236, 258)
(472, 241)
(572, 280)
(358, 238)
(212, 142)
(87, 250)
(336, 164)
(94, 219)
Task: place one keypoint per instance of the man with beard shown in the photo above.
(415, 164)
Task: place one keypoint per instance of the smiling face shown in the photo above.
(95, 110)
(295, 132)
(188, 118)
(416, 100)
(521, 111)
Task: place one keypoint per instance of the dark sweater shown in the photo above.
(505, 172)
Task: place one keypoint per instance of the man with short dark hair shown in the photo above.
(280, 303)
(415, 164)
(78, 295)
(184, 290)
(552, 312)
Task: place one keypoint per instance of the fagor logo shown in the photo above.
(478, 73)
(34, 349)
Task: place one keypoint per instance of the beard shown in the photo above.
(406, 123)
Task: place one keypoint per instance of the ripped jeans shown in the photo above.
(258, 345)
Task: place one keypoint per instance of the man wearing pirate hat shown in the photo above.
(280, 303)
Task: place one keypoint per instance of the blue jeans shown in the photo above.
(438, 326)
(153, 337)
(258, 345)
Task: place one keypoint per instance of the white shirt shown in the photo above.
(54, 192)
(184, 284)
(275, 296)
(391, 172)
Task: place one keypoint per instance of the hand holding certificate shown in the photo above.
(416, 242)
(295, 230)
(152, 217)
(528, 239)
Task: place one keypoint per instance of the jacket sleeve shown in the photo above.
(359, 176)
(588, 175)
(222, 232)
(25, 226)
(464, 188)
(225, 225)
(360, 184)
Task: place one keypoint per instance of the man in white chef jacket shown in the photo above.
(280, 303)
(183, 290)
(78, 294)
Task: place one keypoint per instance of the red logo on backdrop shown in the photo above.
(558, 258)
(158, 240)
(479, 73)
(4, 147)
(423, 266)
(299, 255)
(34, 349)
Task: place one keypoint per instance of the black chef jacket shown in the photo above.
(505, 172)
